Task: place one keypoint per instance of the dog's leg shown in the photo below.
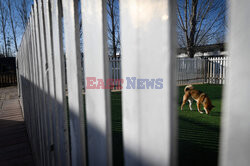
(190, 104)
(207, 112)
(184, 100)
(198, 107)
(206, 108)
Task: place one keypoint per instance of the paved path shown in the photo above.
(14, 144)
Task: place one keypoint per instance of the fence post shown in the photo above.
(210, 71)
(148, 45)
(204, 70)
(214, 70)
(235, 147)
(215, 67)
(46, 89)
(74, 82)
(51, 81)
(61, 135)
(219, 69)
(29, 80)
(17, 77)
(35, 147)
(40, 89)
(97, 66)
(224, 69)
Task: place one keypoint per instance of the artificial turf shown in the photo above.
(198, 134)
(117, 128)
(198, 138)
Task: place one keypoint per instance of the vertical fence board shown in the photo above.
(235, 147)
(40, 87)
(148, 46)
(35, 146)
(37, 87)
(97, 65)
(74, 81)
(34, 125)
(51, 81)
(61, 134)
(30, 78)
(223, 71)
(210, 71)
(45, 91)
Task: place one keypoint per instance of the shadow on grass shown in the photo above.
(116, 106)
(198, 143)
(218, 114)
(195, 155)
(198, 139)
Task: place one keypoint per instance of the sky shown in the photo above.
(17, 22)
(20, 29)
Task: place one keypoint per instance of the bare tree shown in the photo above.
(12, 24)
(113, 25)
(22, 10)
(3, 22)
(200, 22)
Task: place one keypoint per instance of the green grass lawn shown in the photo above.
(117, 128)
(198, 133)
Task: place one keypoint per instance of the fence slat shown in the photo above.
(235, 147)
(36, 127)
(29, 65)
(61, 135)
(40, 86)
(74, 82)
(147, 39)
(51, 79)
(97, 65)
(46, 87)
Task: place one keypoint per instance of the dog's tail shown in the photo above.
(188, 87)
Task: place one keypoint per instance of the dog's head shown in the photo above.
(188, 87)
(209, 109)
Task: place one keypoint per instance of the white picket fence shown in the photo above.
(216, 70)
(211, 70)
(148, 45)
(115, 70)
(205, 70)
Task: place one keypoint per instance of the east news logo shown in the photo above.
(131, 83)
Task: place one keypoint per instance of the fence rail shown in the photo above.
(62, 132)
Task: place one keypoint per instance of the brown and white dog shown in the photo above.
(199, 97)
